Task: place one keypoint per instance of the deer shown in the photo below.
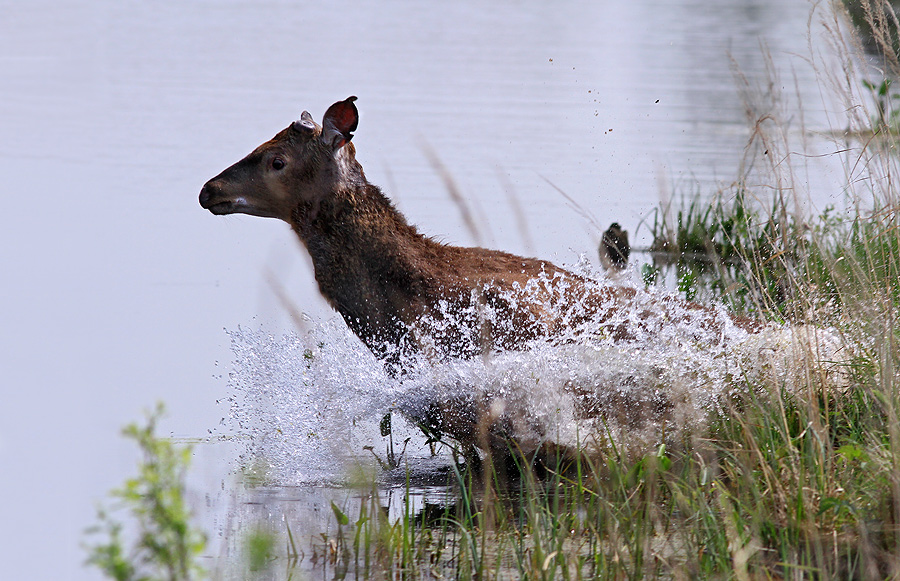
(401, 292)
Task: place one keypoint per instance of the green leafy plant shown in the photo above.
(158, 542)
(887, 112)
(260, 550)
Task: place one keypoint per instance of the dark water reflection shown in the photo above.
(307, 537)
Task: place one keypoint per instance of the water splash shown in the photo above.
(310, 404)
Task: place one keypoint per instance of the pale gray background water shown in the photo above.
(117, 286)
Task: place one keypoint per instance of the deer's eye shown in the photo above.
(277, 164)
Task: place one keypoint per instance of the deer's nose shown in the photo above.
(206, 193)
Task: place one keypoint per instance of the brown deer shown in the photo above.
(401, 292)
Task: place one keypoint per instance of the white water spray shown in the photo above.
(310, 404)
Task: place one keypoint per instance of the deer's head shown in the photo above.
(302, 164)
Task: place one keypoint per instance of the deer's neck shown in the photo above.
(370, 264)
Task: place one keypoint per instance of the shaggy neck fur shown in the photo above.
(368, 261)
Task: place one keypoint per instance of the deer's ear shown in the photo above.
(339, 123)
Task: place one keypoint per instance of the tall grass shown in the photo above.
(793, 488)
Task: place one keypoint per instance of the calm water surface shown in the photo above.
(117, 286)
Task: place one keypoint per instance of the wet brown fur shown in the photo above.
(384, 277)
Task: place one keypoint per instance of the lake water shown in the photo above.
(118, 288)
